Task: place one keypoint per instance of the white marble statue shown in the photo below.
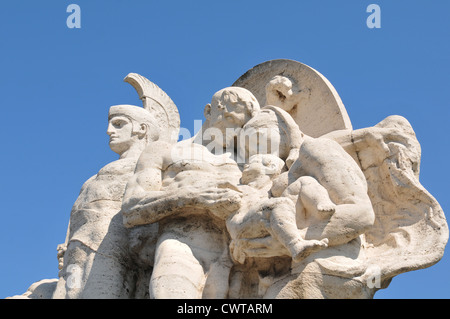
(96, 254)
(96, 259)
(277, 196)
(184, 187)
(409, 230)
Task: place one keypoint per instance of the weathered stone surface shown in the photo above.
(301, 91)
(277, 196)
(42, 289)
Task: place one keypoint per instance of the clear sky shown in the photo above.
(58, 84)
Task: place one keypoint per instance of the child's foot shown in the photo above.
(326, 207)
(302, 248)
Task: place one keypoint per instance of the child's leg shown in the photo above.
(284, 227)
(315, 198)
(283, 222)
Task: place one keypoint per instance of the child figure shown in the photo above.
(264, 217)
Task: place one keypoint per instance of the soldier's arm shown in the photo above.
(146, 182)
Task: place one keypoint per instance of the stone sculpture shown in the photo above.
(183, 186)
(96, 245)
(277, 196)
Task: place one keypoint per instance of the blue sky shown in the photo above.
(58, 83)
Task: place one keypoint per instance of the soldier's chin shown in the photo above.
(116, 147)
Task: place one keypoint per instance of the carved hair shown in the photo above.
(240, 96)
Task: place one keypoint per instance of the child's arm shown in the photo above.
(280, 184)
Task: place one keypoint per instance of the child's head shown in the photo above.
(262, 164)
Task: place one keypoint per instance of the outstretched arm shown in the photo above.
(145, 202)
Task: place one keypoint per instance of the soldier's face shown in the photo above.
(120, 130)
